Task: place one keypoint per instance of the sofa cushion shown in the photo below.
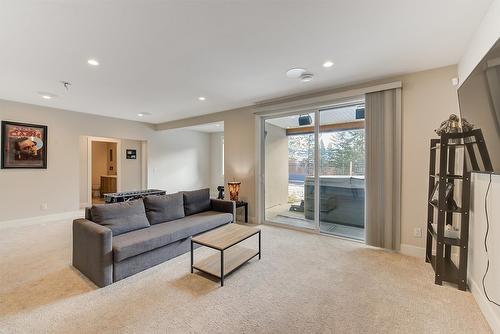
(159, 235)
(196, 201)
(164, 208)
(121, 217)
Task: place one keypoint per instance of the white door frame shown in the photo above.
(89, 163)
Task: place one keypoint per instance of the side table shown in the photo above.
(242, 204)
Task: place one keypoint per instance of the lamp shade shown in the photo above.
(234, 189)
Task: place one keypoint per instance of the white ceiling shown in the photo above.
(159, 56)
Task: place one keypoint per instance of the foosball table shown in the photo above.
(131, 195)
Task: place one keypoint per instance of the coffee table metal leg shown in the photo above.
(259, 246)
(192, 256)
(221, 268)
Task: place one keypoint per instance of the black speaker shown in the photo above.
(305, 120)
(360, 112)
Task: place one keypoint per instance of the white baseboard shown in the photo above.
(411, 250)
(42, 219)
(486, 307)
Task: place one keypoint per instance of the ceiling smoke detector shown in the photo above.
(306, 77)
(295, 73)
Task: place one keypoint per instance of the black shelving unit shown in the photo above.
(444, 267)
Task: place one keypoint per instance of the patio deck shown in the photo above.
(280, 214)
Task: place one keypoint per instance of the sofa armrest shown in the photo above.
(92, 251)
(224, 206)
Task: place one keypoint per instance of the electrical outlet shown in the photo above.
(44, 206)
(417, 232)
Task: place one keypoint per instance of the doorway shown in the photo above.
(314, 170)
(104, 170)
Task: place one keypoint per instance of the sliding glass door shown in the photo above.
(342, 171)
(314, 173)
(289, 145)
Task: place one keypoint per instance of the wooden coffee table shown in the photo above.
(232, 256)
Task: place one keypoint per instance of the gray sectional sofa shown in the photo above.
(118, 240)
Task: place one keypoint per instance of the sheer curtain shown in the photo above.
(383, 169)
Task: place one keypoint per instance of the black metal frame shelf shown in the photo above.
(446, 240)
(457, 210)
(458, 177)
(444, 267)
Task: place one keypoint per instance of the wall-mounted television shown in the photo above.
(479, 98)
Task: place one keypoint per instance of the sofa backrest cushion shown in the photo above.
(164, 208)
(196, 201)
(121, 217)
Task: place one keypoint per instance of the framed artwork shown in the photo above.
(24, 145)
(131, 154)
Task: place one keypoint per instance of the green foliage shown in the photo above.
(342, 148)
(345, 147)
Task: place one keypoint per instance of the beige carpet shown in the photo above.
(304, 283)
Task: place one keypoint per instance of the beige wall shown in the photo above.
(239, 147)
(428, 98)
(276, 170)
(63, 186)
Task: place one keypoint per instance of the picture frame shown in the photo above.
(23, 145)
(131, 154)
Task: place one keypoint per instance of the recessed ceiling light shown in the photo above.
(295, 73)
(142, 114)
(46, 96)
(93, 62)
(328, 64)
(202, 98)
(306, 77)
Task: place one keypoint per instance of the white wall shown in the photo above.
(216, 162)
(131, 172)
(182, 160)
(484, 38)
(63, 185)
(477, 254)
